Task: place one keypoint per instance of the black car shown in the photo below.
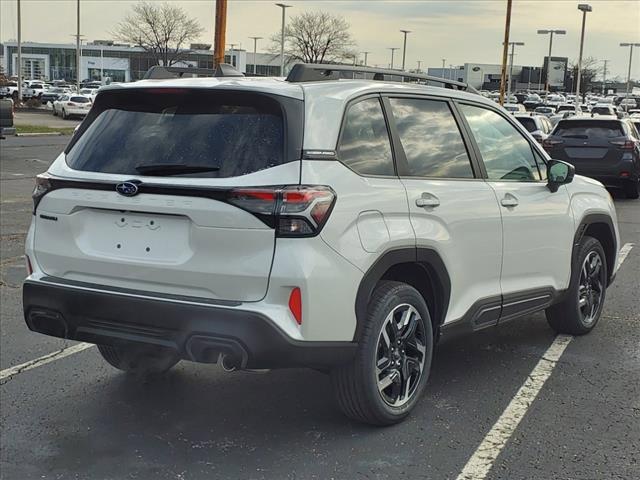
(607, 149)
(52, 94)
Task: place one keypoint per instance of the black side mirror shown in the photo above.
(559, 173)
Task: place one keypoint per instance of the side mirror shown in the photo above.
(559, 173)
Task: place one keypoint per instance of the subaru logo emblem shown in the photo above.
(128, 189)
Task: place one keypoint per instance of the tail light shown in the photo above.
(294, 211)
(295, 304)
(549, 143)
(27, 262)
(43, 186)
(624, 144)
(71, 104)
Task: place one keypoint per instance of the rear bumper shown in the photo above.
(612, 181)
(197, 332)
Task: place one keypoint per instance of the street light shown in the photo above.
(255, 48)
(404, 47)
(630, 45)
(393, 49)
(283, 7)
(513, 48)
(550, 33)
(584, 8)
(366, 55)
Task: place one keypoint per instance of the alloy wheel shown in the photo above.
(591, 288)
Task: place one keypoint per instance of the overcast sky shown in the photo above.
(458, 30)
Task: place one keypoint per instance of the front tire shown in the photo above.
(384, 381)
(579, 312)
(139, 359)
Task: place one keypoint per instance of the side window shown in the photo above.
(364, 145)
(507, 155)
(430, 138)
(542, 166)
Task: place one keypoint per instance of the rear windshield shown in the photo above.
(225, 133)
(602, 110)
(589, 129)
(80, 99)
(528, 123)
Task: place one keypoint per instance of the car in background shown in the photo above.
(635, 121)
(514, 108)
(69, 105)
(532, 102)
(555, 100)
(538, 126)
(604, 109)
(89, 92)
(546, 110)
(6, 117)
(604, 148)
(628, 104)
(568, 108)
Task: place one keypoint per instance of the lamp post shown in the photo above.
(630, 45)
(584, 8)
(550, 33)
(366, 55)
(513, 48)
(283, 7)
(393, 49)
(419, 63)
(404, 47)
(604, 77)
(255, 49)
(444, 60)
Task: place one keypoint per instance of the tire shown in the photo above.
(55, 113)
(632, 190)
(64, 114)
(139, 359)
(359, 385)
(579, 311)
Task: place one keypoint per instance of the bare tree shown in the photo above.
(316, 37)
(591, 69)
(160, 29)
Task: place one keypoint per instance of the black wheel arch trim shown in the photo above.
(585, 222)
(427, 258)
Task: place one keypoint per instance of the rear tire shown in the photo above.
(632, 190)
(55, 113)
(139, 359)
(64, 114)
(579, 311)
(384, 381)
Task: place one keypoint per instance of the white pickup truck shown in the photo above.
(29, 90)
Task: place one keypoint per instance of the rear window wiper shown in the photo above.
(584, 137)
(173, 169)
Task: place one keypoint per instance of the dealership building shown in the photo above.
(121, 63)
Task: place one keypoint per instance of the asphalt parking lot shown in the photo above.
(77, 418)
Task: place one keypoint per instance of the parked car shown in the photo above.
(604, 148)
(89, 92)
(71, 105)
(514, 108)
(52, 94)
(569, 108)
(555, 100)
(532, 102)
(537, 125)
(603, 109)
(267, 226)
(546, 111)
(6, 117)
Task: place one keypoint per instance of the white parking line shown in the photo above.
(38, 362)
(485, 455)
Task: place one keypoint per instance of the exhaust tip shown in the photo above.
(229, 362)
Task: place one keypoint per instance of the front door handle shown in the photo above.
(427, 200)
(509, 200)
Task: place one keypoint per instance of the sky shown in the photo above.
(458, 30)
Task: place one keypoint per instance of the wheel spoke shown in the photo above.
(385, 337)
(387, 380)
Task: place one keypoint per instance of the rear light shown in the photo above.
(624, 144)
(43, 186)
(625, 174)
(71, 104)
(548, 144)
(27, 262)
(294, 211)
(295, 304)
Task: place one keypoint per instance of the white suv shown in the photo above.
(338, 224)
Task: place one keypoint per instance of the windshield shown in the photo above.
(228, 134)
(589, 129)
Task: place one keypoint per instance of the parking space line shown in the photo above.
(487, 452)
(38, 362)
(485, 455)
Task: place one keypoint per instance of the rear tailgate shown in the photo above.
(165, 231)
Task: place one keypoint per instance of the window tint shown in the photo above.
(229, 133)
(507, 155)
(431, 139)
(80, 100)
(365, 145)
(528, 123)
(589, 128)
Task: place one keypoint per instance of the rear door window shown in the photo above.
(589, 129)
(364, 144)
(528, 123)
(190, 132)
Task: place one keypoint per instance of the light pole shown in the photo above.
(283, 7)
(366, 55)
(584, 8)
(450, 71)
(604, 77)
(404, 47)
(419, 63)
(630, 45)
(513, 48)
(550, 33)
(19, 56)
(393, 49)
(444, 60)
(255, 49)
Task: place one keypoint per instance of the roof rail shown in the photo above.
(160, 71)
(317, 72)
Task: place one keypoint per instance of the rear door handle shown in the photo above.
(509, 200)
(427, 200)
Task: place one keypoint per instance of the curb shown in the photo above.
(49, 134)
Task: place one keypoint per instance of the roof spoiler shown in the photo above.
(318, 72)
(158, 72)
